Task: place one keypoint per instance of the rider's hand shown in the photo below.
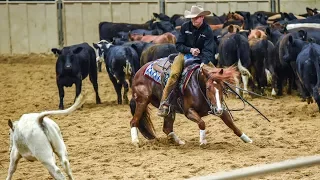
(195, 51)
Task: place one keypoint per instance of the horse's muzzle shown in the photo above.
(217, 111)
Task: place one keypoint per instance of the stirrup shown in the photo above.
(164, 109)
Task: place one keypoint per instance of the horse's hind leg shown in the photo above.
(228, 121)
(168, 128)
(194, 116)
(137, 110)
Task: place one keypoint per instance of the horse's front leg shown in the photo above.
(225, 116)
(194, 116)
(168, 128)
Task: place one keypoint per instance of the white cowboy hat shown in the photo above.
(195, 12)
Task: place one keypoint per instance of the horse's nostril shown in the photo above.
(218, 111)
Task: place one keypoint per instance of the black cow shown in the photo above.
(259, 58)
(74, 63)
(157, 51)
(234, 49)
(294, 47)
(304, 32)
(109, 30)
(139, 46)
(121, 63)
(308, 68)
(251, 21)
(310, 12)
(178, 20)
(287, 55)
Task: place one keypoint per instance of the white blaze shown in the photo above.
(219, 107)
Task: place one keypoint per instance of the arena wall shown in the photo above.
(32, 27)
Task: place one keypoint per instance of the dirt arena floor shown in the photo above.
(98, 136)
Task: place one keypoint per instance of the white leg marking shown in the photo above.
(203, 140)
(176, 138)
(134, 135)
(245, 138)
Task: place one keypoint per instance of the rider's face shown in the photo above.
(197, 21)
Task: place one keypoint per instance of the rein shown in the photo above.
(244, 100)
(233, 91)
(250, 92)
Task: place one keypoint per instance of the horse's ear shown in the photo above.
(221, 71)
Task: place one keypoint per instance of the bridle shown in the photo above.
(213, 108)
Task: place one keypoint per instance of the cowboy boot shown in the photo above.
(176, 69)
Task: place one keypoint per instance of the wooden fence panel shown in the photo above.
(5, 43)
(33, 26)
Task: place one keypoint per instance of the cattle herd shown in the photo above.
(270, 50)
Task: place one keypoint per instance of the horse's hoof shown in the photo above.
(136, 144)
(203, 143)
(245, 138)
(181, 142)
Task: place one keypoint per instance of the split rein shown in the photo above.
(229, 89)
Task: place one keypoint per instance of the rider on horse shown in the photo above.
(195, 40)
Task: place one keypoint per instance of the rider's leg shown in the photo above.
(176, 69)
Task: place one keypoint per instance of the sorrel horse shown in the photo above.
(203, 95)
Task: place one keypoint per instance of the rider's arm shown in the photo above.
(207, 52)
(181, 41)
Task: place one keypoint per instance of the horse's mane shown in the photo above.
(228, 74)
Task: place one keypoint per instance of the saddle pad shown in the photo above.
(185, 77)
(153, 74)
(183, 81)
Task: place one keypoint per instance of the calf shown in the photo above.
(308, 67)
(122, 63)
(74, 63)
(36, 137)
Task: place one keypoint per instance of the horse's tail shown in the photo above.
(145, 124)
